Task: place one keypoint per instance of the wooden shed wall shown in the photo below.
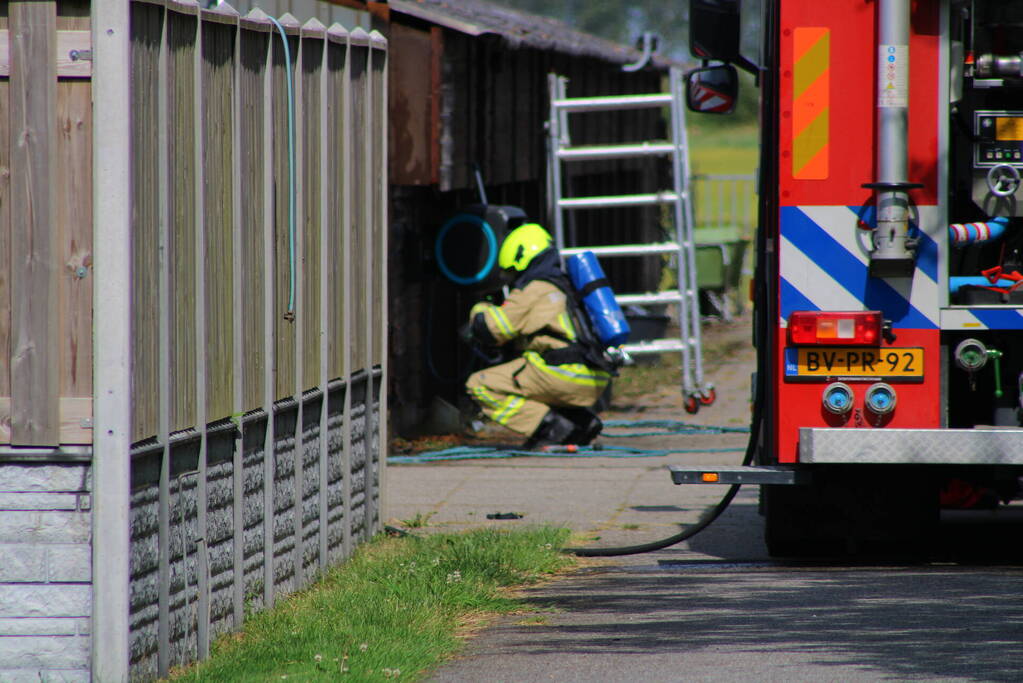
(482, 102)
(460, 100)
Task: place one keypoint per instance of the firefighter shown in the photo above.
(546, 392)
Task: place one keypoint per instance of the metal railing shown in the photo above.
(721, 200)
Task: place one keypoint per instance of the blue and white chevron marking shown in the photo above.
(981, 319)
(823, 264)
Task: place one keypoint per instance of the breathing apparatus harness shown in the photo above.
(586, 347)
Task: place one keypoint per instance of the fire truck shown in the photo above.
(888, 283)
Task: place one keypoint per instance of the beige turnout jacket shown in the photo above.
(518, 393)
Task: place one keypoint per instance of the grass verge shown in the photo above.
(724, 149)
(395, 610)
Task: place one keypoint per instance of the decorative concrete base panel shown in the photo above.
(46, 571)
(228, 522)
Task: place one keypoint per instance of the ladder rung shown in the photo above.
(625, 249)
(595, 153)
(666, 297)
(579, 104)
(655, 346)
(621, 200)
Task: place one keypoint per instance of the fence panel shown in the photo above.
(377, 141)
(254, 46)
(45, 225)
(218, 50)
(34, 355)
(256, 330)
(74, 218)
(312, 146)
(181, 37)
(284, 222)
(74, 223)
(339, 124)
(360, 274)
(147, 29)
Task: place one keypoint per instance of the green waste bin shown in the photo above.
(720, 252)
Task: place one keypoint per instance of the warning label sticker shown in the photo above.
(893, 76)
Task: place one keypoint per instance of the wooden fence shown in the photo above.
(270, 284)
(45, 224)
(220, 263)
(239, 198)
(258, 314)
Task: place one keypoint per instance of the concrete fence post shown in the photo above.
(112, 346)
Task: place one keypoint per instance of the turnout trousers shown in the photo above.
(518, 394)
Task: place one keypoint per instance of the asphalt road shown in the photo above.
(719, 609)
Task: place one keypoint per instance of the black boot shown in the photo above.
(554, 429)
(587, 425)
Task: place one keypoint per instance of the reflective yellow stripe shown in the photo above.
(566, 324)
(502, 321)
(484, 396)
(577, 373)
(498, 316)
(512, 406)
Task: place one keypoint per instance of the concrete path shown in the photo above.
(621, 500)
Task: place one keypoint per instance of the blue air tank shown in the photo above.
(589, 281)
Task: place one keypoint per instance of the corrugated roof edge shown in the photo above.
(519, 29)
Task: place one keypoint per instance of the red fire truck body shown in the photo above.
(889, 309)
(825, 154)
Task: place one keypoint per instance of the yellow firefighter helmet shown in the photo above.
(521, 245)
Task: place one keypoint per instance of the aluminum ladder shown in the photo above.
(695, 390)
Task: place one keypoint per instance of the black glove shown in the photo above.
(465, 333)
(476, 332)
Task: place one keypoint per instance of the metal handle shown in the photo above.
(1003, 180)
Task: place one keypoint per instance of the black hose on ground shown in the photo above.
(705, 520)
(751, 448)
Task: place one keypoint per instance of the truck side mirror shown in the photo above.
(714, 29)
(713, 89)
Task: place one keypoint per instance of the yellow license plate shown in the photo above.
(906, 363)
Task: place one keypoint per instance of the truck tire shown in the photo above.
(798, 523)
(852, 512)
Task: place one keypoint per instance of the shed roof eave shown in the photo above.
(545, 34)
(433, 16)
